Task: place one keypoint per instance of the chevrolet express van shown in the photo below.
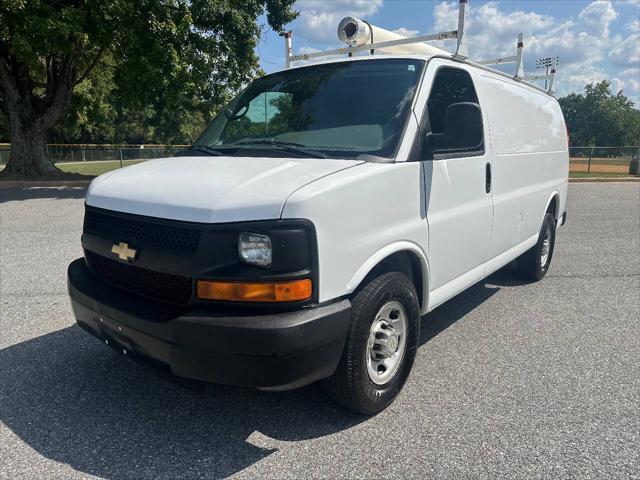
(318, 219)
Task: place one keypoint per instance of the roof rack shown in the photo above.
(461, 53)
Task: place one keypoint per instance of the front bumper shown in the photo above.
(269, 350)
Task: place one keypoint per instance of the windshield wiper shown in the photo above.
(206, 149)
(290, 146)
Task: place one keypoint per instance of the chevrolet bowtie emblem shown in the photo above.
(123, 251)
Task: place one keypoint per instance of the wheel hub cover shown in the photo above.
(392, 344)
(387, 342)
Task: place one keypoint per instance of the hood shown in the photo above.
(209, 189)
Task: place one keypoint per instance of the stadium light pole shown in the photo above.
(546, 63)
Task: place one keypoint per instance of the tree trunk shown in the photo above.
(31, 116)
(29, 159)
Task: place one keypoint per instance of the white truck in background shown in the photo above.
(322, 214)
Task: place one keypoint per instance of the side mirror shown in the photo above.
(463, 131)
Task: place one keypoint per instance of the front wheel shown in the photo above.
(380, 346)
(534, 263)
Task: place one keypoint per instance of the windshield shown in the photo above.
(337, 110)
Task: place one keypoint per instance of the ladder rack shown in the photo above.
(517, 59)
(460, 54)
(374, 46)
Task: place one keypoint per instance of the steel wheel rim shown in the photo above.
(387, 342)
(546, 247)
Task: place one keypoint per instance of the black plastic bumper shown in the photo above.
(272, 350)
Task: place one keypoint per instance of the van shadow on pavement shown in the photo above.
(76, 401)
(32, 193)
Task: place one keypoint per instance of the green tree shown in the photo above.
(91, 116)
(601, 118)
(172, 60)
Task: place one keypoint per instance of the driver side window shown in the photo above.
(452, 126)
(450, 86)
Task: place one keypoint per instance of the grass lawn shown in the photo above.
(598, 174)
(601, 160)
(92, 169)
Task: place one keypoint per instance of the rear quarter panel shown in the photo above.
(530, 161)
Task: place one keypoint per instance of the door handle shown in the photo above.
(487, 184)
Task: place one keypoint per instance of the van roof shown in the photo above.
(358, 58)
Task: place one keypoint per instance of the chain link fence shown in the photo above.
(584, 161)
(601, 160)
(123, 154)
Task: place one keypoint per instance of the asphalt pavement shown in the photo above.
(512, 380)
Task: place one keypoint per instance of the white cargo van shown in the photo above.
(319, 217)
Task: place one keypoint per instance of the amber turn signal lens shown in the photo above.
(294, 291)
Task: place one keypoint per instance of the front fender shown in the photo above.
(361, 215)
(385, 252)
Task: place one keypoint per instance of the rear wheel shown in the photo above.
(380, 346)
(534, 263)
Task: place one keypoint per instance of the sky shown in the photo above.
(594, 40)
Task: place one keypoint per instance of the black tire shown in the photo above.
(351, 385)
(529, 265)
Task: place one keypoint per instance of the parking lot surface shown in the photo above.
(511, 379)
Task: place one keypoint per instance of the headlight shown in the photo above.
(255, 249)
